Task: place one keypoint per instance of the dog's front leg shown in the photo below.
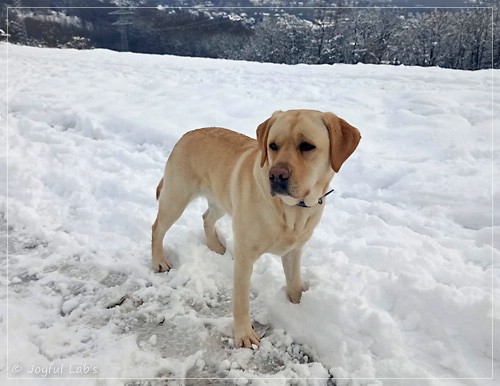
(244, 334)
(291, 266)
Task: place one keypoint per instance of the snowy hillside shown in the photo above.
(400, 269)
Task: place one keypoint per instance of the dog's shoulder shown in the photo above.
(230, 137)
(219, 139)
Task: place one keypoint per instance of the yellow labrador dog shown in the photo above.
(273, 187)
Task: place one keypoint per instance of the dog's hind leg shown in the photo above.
(210, 217)
(173, 199)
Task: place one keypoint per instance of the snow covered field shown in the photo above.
(400, 269)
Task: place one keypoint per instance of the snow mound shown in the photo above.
(400, 270)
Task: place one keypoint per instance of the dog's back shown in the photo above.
(203, 155)
(214, 141)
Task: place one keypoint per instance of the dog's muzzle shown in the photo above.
(279, 176)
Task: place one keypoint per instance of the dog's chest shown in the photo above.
(293, 232)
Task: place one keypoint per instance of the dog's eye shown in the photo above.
(273, 146)
(306, 146)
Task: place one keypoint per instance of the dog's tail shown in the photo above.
(159, 188)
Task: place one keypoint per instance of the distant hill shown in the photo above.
(282, 31)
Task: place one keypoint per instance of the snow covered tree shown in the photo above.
(376, 28)
(454, 38)
(280, 39)
(326, 34)
(424, 35)
(496, 38)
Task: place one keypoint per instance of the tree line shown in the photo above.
(466, 38)
(459, 39)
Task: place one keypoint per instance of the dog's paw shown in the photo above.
(161, 264)
(217, 247)
(245, 336)
(295, 294)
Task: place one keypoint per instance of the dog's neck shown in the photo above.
(294, 218)
(302, 204)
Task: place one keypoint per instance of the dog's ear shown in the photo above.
(344, 139)
(262, 135)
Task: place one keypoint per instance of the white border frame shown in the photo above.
(9, 368)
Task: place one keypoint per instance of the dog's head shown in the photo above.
(302, 150)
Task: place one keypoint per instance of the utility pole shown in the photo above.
(23, 33)
(125, 16)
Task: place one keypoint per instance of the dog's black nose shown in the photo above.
(279, 173)
(278, 176)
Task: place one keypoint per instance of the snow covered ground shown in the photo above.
(400, 270)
